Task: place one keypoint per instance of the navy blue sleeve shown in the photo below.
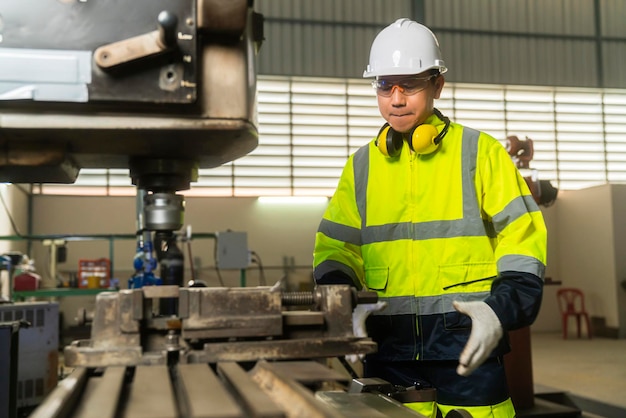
(516, 298)
(335, 277)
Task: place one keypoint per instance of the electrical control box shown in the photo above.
(232, 250)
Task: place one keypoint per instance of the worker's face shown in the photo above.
(402, 101)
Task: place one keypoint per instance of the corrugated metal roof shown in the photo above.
(524, 42)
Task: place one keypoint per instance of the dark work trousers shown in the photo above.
(485, 386)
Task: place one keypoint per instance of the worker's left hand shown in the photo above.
(484, 337)
(359, 315)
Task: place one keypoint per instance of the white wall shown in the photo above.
(15, 204)
(275, 233)
(590, 232)
(586, 252)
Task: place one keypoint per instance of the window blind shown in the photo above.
(309, 126)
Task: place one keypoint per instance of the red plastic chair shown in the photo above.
(572, 303)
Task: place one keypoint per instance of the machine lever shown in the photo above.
(167, 22)
(140, 47)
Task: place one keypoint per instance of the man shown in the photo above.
(434, 217)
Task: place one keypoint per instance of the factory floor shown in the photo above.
(592, 370)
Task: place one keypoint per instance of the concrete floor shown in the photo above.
(592, 369)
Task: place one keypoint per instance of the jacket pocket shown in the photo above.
(377, 278)
(463, 282)
(467, 277)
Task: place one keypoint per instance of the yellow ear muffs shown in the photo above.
(389, 142)
(423, 139)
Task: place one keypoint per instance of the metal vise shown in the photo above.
(220, 324)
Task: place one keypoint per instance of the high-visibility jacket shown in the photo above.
(425, 230)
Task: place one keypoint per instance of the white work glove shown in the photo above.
(359, 315)
(484, 337)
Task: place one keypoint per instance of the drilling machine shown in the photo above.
(163, 88)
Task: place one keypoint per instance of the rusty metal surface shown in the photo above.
(233, 312)
(293, 398)
(123, 52)
(205, 394)
(82, 353)
(252, 396)
(219, 324)
(283, 349)
(104, 141)
(309, 371)
(227, 16)
(403, 395)
(302, 318)
(101, 396)
(228, 352)
(222, 390)
(64, 397)
(370, 405)
(113, 325)
(151, 395)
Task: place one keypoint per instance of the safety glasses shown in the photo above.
(408, 86)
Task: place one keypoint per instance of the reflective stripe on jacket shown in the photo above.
(425, 230)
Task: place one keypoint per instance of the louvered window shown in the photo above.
(309, 126)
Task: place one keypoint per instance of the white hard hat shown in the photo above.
(404, 47)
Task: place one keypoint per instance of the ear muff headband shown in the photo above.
(424, 138)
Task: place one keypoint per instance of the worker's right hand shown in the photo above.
(359, 315)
